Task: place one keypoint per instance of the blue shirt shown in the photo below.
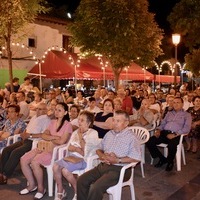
(122, 144)
(177, 121)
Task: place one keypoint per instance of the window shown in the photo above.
(31, 42)
(66, 43)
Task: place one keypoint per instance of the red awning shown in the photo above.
(166, 79)
(57, 65)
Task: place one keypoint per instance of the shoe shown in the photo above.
(169, 167)
(3, 180)
(39, 195)
(160, 163)
(60, 196)
(26, 191)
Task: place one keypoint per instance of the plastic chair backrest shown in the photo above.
(141, 133)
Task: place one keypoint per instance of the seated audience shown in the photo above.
(24, 109)
(117, 104)
(35, 103)
(26, 86)
(194, 133)
(127, 104)
(58, 133)
(175, 123)
(13, 125)
(168, 105)
(144, 116)
(92, 106)
(83, 142)
(154, 106)
(80, 100)
(68, 97)
(103, 120)
(119, 147)
(11, 154)
(73, 116)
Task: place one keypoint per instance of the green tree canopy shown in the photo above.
(193, 62)
(14, 16)
(122, 30)
(185, 19)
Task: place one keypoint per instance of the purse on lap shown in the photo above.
(46, 146)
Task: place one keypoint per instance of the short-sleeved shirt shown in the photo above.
(122, 144)
(66, 128)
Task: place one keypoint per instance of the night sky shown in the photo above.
(161, 8)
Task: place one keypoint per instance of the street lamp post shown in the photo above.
(104, 76)
(76, 64)
(176, 40)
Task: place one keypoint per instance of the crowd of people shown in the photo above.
(57, 117)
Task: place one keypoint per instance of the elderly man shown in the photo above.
(11, 155)
(175, 123)
(119, 146)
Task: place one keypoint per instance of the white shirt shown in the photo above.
(38, 124)
(91, 142)
(94, 110)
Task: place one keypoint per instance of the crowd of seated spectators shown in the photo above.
(63, 113)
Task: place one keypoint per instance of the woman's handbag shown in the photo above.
(46, 146)
(73, 159)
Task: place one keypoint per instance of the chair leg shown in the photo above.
(183, 154)
(142, 169)
(178, 159)
(132, 192)
(50, 181)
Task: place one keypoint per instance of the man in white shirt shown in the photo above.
(11, 155)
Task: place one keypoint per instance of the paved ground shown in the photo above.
(157, 184)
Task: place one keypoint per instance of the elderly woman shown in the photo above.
(144, 116)
(58, 132)
(13, 125)
(103, 120)
(83, 141)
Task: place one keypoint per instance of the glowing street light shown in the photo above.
(176, 40)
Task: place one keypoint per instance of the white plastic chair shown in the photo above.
(180, 152)
(143, 135)
(11, 140)
(49, 167)
(115, 191)
(92, 161)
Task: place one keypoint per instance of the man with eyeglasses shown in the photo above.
(11, 155)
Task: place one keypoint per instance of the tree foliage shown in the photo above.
(14, 16)
(121, 30)
(193, 62)
(185, 19)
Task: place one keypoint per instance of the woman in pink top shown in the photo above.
(58, 132)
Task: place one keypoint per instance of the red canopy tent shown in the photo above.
(57, 65)
(166, 79)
